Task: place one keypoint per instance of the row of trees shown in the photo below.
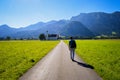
(7, 38)
(43, 37)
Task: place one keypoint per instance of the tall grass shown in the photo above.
(16, 57)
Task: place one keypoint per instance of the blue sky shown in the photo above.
(21, 13)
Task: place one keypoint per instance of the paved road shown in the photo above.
(57, 65)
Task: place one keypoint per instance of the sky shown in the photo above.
(21, 13)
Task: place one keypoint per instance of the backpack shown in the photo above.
(72, 44)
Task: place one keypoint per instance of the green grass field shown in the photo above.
(16, 57)
(104, 55)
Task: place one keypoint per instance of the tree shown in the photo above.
(21, 38)
(8, 38)
(42, 37)
(1, 38)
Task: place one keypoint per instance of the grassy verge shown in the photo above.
(16, 57)
(104, 55)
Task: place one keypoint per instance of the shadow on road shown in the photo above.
(84, 65)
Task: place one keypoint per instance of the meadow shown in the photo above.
(16, 57)
(104, 55)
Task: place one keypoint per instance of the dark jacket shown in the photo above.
(72, 44)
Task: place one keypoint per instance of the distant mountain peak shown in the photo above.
(4, 25)
(116, 12)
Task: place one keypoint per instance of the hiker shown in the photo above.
(72, 47)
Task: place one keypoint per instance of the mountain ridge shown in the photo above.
(84, 24)
(100, 22)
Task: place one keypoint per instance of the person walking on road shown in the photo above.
(72, 47)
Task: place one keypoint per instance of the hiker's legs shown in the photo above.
(73, 53)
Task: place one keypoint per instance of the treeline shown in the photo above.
(65, 37)
(97, 37)
(93, 37)
(9, 38)
(113, 35)
(43, 37)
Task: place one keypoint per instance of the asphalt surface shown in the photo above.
(57, 65)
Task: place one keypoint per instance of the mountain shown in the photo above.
(38, 25)
(75, 28)
(52, 28)
(83, 25)
(34, 26)
(33, 31)
(5, 30)
(100, 22)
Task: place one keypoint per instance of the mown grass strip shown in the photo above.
(16, 57)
